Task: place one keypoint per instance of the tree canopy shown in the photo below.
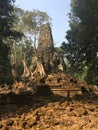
(82, 47)
(6, 33)
(30, 22)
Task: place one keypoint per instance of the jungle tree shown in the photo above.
(30, 22)
(6, 33)
(82, 47)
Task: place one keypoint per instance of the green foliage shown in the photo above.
(59, 50)
(29, 22)
(21, 50)
(6, 33)
(6, 9)
(82, 47)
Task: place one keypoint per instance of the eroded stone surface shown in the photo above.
(47, 114)
(50, 59)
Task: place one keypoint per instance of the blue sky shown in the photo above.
(57, 9)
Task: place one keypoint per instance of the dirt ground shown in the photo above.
(26, 109)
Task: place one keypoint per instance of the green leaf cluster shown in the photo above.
(6, 34)
(82, 47)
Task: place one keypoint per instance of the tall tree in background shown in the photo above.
(6, 33)
(29, 22)
(82, 47)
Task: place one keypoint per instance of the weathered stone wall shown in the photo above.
(45, 46)
(50, 59)
(45, 43)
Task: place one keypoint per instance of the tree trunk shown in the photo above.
(26, 72)
(14, 70)
(39, 70)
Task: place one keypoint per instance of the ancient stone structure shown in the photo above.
(45, 43)
(50, 59)
(46, 59)
(45, 46)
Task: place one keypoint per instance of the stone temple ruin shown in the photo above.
(46, 53)
(46, 59)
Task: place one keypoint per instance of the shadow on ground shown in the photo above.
(12, 104)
